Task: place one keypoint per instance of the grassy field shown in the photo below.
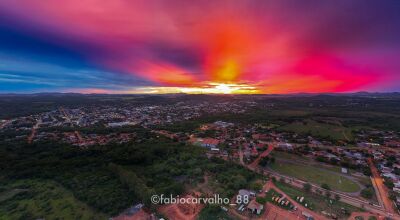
(305, 160)
(315, 175)
(333, 131)
(32, 199)
(317, 202)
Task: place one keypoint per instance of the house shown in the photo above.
(254, 152)
(205, 142)
(130, 212)
(393, 144)
(397, 166)
(307, 215)
(367, 144)
(391, 176)
(244, 193)
(222, 124)
(214, 150)
(120, 124)
(378, 155)
(255, 207)
(260, 146)
(285, 146)
(260, 136)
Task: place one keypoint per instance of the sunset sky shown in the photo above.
(233, 46)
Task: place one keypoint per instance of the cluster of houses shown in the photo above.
(246, 200)
(48, 124)
(390, 171)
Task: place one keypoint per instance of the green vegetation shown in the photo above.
(334, 131)
(266, 160)
(271, 196)
(325, 186)
(316, 175)
(47, 179)
(307, 187)
(317, 202)
(367, 193)
(213, 212)
(134, 183)
(113, 177)
(229, 177)
(31, 199)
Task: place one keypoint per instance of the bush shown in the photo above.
(261, 200)
(307, 187)
(367, 193)
(325, 186)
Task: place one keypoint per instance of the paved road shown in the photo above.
(376, 209)
(383, 192)
(364, 204)
(343, 197)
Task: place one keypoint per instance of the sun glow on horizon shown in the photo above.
(238, 47)
(209, 88)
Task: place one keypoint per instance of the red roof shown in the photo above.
(210, 141)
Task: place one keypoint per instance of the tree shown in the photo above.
(328, 194)
(256, 186)
(307, 187)
(272, 159)
(261, 200)
(264, 161)
(367, 171)
(392, 196)
(325, 186)
(367, 193)
(388, 182)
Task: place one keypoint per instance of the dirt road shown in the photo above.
(254, 164)
(300, 208)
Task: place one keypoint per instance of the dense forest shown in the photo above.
(113, 177)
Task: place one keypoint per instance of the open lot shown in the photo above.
(318, 202)
(316, 175)
(33, 199)
(318, 129)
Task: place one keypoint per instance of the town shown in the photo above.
(301, 173)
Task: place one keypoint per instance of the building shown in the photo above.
(209, 142)
(307, 215)
(244, 193)
(285, 146)
(255, 207)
